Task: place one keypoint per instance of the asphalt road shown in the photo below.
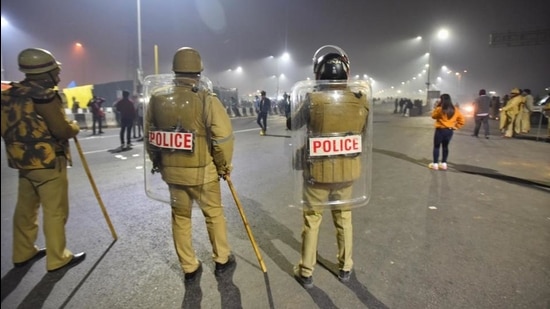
(474, 236)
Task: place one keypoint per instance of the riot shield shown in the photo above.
(331, 143)
(155, 187)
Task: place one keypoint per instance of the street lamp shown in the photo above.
(4, 23)
(140, 68)
(284, 57)
(442, 34)
(79, 51)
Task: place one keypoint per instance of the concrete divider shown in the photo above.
(85, 120)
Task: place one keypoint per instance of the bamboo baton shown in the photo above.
(246, 226)
(96, 192)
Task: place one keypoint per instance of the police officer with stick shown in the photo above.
(37, 132)
(190, 143)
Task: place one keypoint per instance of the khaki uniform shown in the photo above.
(192, 175)
(329, 178)
(36, 132)
(546, 111)
(523, 120)
(508, 116)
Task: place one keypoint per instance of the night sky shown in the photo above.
(378, 36)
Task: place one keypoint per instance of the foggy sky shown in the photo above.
(377, 35)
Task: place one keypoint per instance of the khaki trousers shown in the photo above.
(508, 123)
(208, 196)
(313, 217)
(523, 122)
(48, 187)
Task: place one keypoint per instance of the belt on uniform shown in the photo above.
(60, 154)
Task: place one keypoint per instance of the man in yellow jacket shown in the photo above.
(509, 113)
(546, 111)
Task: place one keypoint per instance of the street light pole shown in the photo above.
(441, 34)
(277, 92)
(140, 68)
(4, 23)
(428, 82)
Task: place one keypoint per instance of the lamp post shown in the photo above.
(140, 68)
(285, 57)
(461, 82)
(4, 23)
(441, 34)
(79, 51)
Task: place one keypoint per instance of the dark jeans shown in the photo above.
(126, 127)
(479, 121)
(96, 119)
(262, 121)
(442, 138)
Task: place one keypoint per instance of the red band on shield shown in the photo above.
(171, 140)
(337, 145)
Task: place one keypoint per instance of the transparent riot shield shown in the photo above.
(331, 143)
(155, 187)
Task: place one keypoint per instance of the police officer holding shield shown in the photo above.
(37, 132)
(190, 142)
(330, 123)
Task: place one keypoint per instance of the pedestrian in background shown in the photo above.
(139, 119)
(264, 106)
(523, 120)
(329, 179)
(36, 132)
(127, 111)
(546, 113)
(447, 120)
(509, 112)
(482, 107)
(95, 106)
(116, 112)
(76, 106)
(192, 173)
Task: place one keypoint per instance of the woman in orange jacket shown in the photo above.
(447, 119)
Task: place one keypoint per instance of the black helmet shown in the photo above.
(332, 66)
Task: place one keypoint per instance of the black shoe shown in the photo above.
(344, 276)
(75, 260)
(101, 132)
(487, 136)
(474, 135)
(306, 282)
(190, 277)
(38, 255)
(222, 268)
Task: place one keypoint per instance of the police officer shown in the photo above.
(190, 142)
(509, 112)
(335, 120)
(36, 132)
